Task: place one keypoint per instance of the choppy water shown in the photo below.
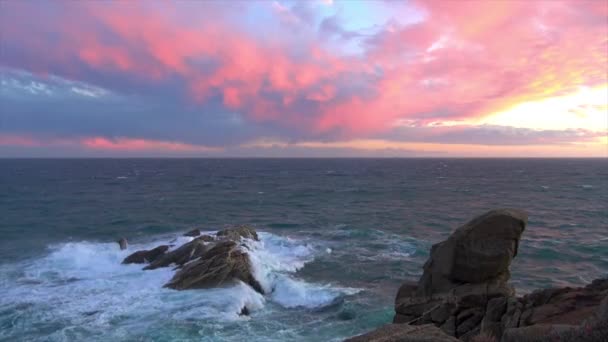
(339, 236)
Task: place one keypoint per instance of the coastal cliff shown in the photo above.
(464, 294)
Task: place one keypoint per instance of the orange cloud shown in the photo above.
(106, 144)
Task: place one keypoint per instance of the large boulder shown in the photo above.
(224, 264)
(146, 256)
(477, 252)
(404, 333)
(187, 252)
(464, 286)
(237, 233)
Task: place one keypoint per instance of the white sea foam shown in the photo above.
(84, 284)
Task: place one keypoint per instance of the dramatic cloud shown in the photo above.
(220, 76)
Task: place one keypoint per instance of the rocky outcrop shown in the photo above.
(237, 233)
(206, 261)
(222, 265)
(464, 283)
(405, 333)
(464, 291)
(187, 252)
(146, 256)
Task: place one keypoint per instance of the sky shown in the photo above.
(317, 78)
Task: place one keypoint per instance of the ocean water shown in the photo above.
(338, 236)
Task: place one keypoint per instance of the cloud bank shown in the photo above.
(213, 77)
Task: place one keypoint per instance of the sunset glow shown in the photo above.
(304, 78)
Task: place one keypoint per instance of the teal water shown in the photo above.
(339, 236)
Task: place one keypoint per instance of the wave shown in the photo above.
(84, 284)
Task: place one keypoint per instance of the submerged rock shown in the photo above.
(224, 264)
(187, 252)
(122, 242)
(193, 233)
(146, 256)
(237, 233)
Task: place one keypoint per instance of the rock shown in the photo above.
(187, 252)
(464, 291)
(193, 233)
(404, 333)
(244, 311)
(206, 238)
(477, 252)
(221, 265)
(563, 306)
(449, 326)
(539, 333)
(399, 318)
(122, 242)
(491, 324)
(468, 320)
(463, 274)
(237, 233)
(145, 256)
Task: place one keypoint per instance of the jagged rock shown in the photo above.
(244, 311)
(187, 252)
(145, 256)
(193, 233)
(238, 232)
(404, 333)
(223, 264)
(206, 238)
(491, 324)
(562, 306)
(122, 242)
(464, 273)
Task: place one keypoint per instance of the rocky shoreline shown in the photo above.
(464, 294)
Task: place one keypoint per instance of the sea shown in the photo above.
(337, 238)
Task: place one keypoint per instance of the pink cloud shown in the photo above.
(105, 144)
(465, 59)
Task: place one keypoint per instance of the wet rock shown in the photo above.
(224, 264)
(244, 311)
(187, 252)
(404, 333)
(237, 233)
(146, 256)
(206, 238)
(122, 242)
(193, 233)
